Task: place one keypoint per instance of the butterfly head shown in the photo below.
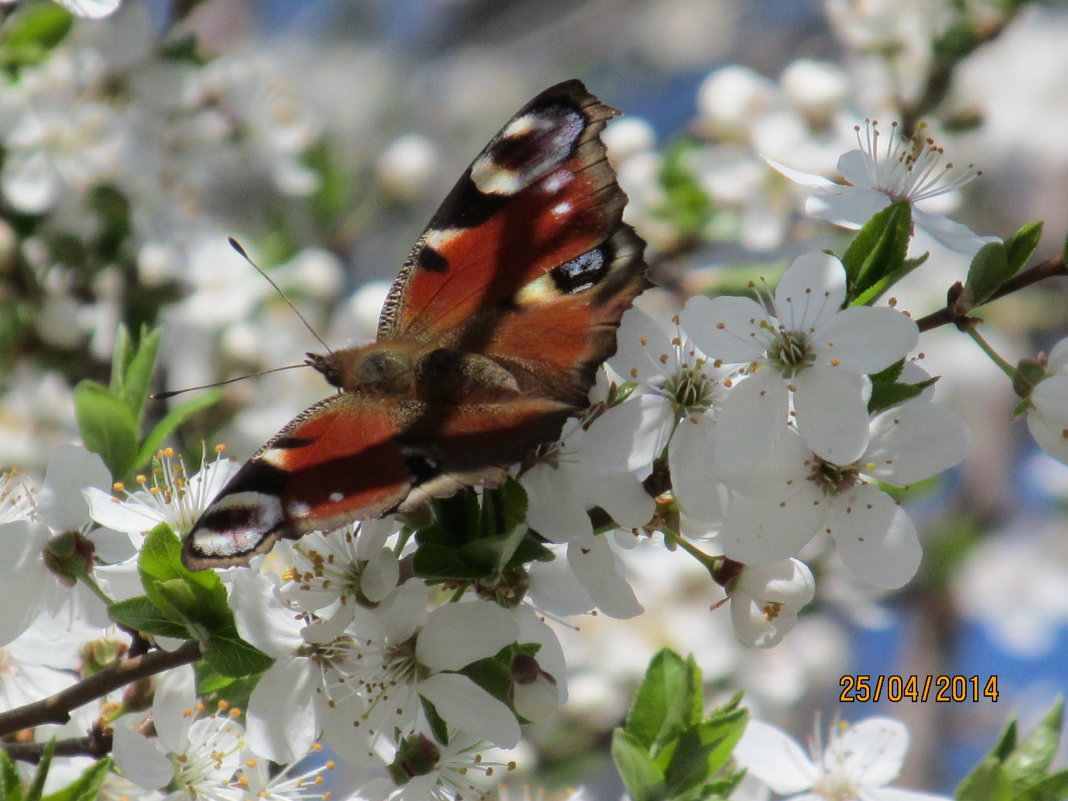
(379, 368)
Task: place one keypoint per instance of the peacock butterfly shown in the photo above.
(488, 341)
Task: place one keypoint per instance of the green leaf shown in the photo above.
(988, 271)
(667, 702)
(878, 250)
(87, 786)
(10, 783)
(886, 396)
(174, 418)
(136, 373)
(198, 602)
(702, 750)
(121, 355)
(33, 33)
(640, 775)
(232, 656)
(876, 290)
(1032, 757)
(140, 614)
(1050, 788)
(987, 782)
(36, 788)
(107, 426)
(1022, 244)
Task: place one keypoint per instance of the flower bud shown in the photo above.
(69, 556)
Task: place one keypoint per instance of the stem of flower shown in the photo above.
(56, 708)
(972, 330)
(90, 582)
(707, 562)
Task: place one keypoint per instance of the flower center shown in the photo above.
(833, 479)
(790, 353)
(910, 168)
(690, 391)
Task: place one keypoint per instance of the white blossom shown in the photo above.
(857, 764)
(805, 351)
(910, 169)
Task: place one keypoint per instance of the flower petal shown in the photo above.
(629, 436)
(602, 575)
(555, 510)
(261, 618)
(694, 473)
(871, 752)
(466, 706)
(173, 705)
(810, 292)
(850, 207)
(282, 722)
(809, 179)
(140, 758)
(455, 635)
(866, 340)
(876, 539)
(832, 415)
(759, 531)
(751, 421)
(775, 758)
(915, 441)
(950, 234)
(727, 328)
(60, 504)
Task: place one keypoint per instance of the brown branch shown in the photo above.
(95, 745)
(56, 708)
(1050, 268)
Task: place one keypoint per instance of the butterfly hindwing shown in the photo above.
(335, 462)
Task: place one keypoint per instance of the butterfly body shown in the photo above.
(489, 340)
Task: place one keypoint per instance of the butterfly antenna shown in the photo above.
(173, 392)
(241, 251)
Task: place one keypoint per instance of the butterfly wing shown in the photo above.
(336, 462)
(528, 259)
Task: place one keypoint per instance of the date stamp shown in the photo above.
(862, 689)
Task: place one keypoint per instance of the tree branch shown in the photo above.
(56, 708)
(1050, 268)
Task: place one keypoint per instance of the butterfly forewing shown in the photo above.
(540, 194)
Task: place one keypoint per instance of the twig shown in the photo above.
(1050, 268)
(56, 708)
(95, 745)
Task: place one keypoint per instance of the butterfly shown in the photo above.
(489, 339)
